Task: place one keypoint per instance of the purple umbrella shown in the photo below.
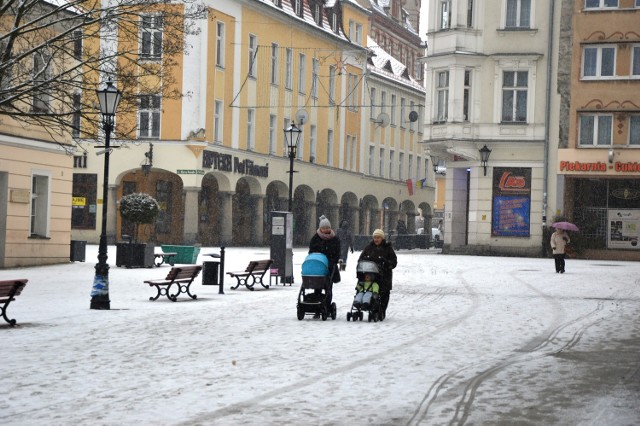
(567, 226)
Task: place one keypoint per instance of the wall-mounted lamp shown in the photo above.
(611, 154)
(434, 163)
(484, 157)
(148, 160)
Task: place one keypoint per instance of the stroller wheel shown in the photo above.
(334, 311)
(324, 315)
(348, 316)
(300, 314)
(361, 315)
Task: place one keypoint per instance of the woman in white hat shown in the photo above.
(380, 251)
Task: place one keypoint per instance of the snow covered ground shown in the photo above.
(467, 340)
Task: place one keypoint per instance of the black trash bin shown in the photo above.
(77, 250)
(210, 273)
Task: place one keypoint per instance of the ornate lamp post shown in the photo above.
(291, 137)
(109, 98)
(435, 161)
(484, 157)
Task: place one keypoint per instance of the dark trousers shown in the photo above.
(384, 300)
(559, 259)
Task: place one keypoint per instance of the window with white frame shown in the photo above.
(334, 22)
(445, 14)
(355, 32)
(253, 55)
(419, 168)
(410, 166)
(602, 4)
(41, 76)
(634, 130)
(352, 83)
(596, 129)
(400, 166)
(287, 124)
(372, 158)
(598, 61)
(220, 40)
(302, 72)
(218, 110)
(392, 164)
(381, 163)
(466, 95)
(514, 96)
(412, 124)
(403, 107)
(297, 7)
(330, 147)
(372, 112)
(518, 14)
(635, 66)
(383, 101)
(392, 114)
(39, 218)
(251, 129)
(151, 27)
(149, 116)
(288, 75)
(317, 14)
(442, 96)
(312, 144)
(469, 13)
(275, 61)
(77, 38)
(77, 115)
(273, 132)
(315, 69)
(332, 84)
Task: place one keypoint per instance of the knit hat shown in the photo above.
(324, 222)
(378, 232)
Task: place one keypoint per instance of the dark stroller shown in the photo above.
(373, 308)
(315, 291)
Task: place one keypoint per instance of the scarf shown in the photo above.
(325, 236)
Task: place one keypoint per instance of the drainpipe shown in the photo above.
(545, 178)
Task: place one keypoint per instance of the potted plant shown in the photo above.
(137, 208)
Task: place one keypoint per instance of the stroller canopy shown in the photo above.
(367, 267)
(315, 264)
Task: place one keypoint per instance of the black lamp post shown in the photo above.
(291, 137)
(109, 97)
(484, 157)
(434, 162)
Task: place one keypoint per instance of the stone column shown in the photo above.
(190, 230)
(225, 218)
(312, 219)
(411, 222)
(257, 220)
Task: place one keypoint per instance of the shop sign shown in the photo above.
(190, 172)
(228, 163)
(599, 167)
(78, 201)
(511, 202)
(623, 230)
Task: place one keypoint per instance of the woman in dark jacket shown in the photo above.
(325, 241)
(381, 252)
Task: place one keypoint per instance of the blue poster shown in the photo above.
(511, 215)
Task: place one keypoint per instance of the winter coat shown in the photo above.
(346, 241)
(385, 253)
(331, 249)
(559, 241)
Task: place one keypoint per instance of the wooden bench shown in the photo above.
(9, 289)
(181, 276)
(253, 274)
(162, 258)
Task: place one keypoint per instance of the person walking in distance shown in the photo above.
(559, 241)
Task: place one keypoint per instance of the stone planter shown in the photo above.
(133, 255)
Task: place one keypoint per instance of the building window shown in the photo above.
(410, 170)
(77, 45)
(392, 164)
(297, 7)
(302, 71)
(518, 14)
(412, 124)
(469, 13)
(149, 116)
(334, 22)
(442, 96)
(217, 121)
(83, 208)
(39, 206)
(41, 77)
(164, 197)
(514, 96)
(312, 143)
(634, 130)
(595, 129)
(355, 32)
(151, 36)
(393, 109)
(372, 155)
(273, 131)
(598, 61)
(330, 147)
(352, 84)
(400, 166)
(601, 4)
(445, 14)
(77, 111)
(288, 75)
(372, 112)
(466, 95)
(635, 67)
(403, 107)
(381, 163)
(315, 69)
(383, 101)
(317, 14)
(251, 116)
(332, 85)
(220, 44)
(275, 71)
(253, 55)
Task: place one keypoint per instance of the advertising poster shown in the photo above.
(511, 202)
(623, 230)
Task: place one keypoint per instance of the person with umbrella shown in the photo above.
(559, 241)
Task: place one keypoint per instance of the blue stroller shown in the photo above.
(315, 292)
